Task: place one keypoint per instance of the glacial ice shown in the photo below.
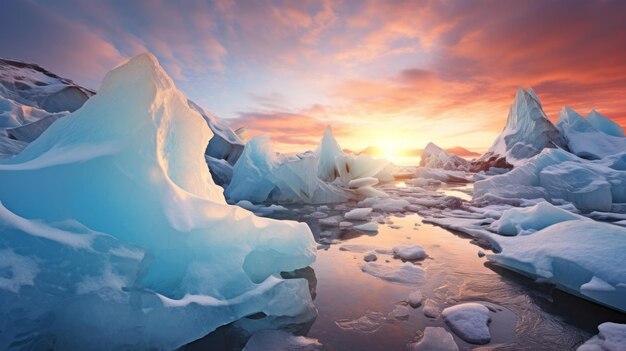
(327, 151)
(585, 140)
(557, 174)
(605, 125)
(611, 337)
(260, 174)
(123, 240)
(469, 321)
(567, 254)
(435, 339)
(526, 133)
(527, 220)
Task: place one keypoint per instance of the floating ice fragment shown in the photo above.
(469, 321)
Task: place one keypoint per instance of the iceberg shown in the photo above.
(585, 139)
(557, 174)
(581, 257)
(327, 151)
(611, 337)
(128, 243)
(526, 133)
(261, 174)
(435, 157)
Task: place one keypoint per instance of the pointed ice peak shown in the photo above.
(137, 70)
(604, 124)
(532, 94)
(327, 151)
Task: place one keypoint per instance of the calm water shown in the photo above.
(525, 315)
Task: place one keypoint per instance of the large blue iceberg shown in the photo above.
(114, 236)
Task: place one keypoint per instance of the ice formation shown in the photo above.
(435, 339)
(611, 337)
(587, 141)
(469, 321)
(409, 252)
(557, 174)
(260, 175)
(358, 214)
(123, 245)
(526, 133)
(324, 176)
(527, 220)
(435, 157)
(567, 254)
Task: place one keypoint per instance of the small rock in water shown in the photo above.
(431, 309)
(394, 226)
(435, 339)
(400, 312)
(481, 253)
(370, 257)
(469, 321)
(415, 299)
(409, 252)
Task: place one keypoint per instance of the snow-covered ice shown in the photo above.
(469, 321)
(583, 257)
(409, 252)
(358, 214)
(435, 339)
(415, 299)
(611, 337)
(146, 256)
(530, 219)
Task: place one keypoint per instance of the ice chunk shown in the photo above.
(367, 227)
(584, 140)
(358, 213)
(612, 337)
(407, 273)
(279, 340)
(327, 151)
(362, 182)
(221, 170)
(128, 229)
(385, 204)
(526, 220)
(567, 254)
(415, 299)
(469, 321)
(409, 252)
(435, 339)
(435, 157)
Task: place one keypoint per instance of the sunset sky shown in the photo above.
(392, 74)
